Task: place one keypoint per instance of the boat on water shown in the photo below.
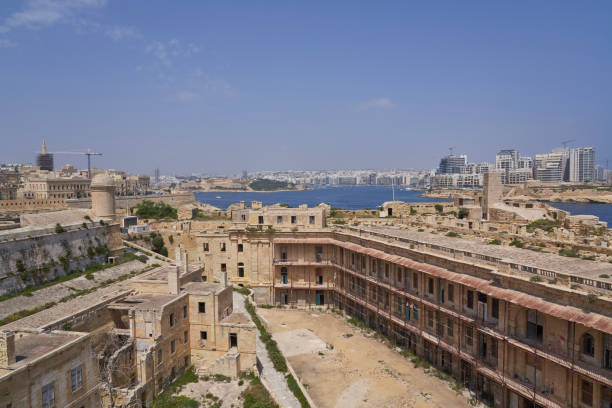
(218, 197)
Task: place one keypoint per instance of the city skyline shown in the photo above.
(300, 87)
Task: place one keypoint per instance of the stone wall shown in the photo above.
(36, 204)
(38, 256)
(123, 202)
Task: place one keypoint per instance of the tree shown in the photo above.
(439, 207)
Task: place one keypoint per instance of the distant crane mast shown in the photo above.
(88, 153)
(565, 142)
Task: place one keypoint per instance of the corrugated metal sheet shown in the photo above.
(594, 320)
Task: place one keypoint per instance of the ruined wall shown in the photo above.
(35, 257)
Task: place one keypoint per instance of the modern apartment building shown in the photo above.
(551, 167)
(582, 165)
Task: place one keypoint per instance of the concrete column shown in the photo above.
(177, 254)
(7, 348)
(224, 279)
(173, 280)
(185, 262)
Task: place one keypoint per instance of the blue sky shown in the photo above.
(194, 86)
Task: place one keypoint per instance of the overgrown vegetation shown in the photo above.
(517, 243)
(167, 399)
(572, 253)
(268, 185)
(59, 229)
(149, 210)
(242, 290)
(278, 360)
(256, 395)
(463, 213)
(452, 234)
(157, 244)
(439, 208)
(297, 391)
(543, 224)
(494, 242)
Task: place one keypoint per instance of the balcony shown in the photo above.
(303, 262)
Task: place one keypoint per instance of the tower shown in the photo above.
(103, 196)
(44, 160)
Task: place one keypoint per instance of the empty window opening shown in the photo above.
(233, 340)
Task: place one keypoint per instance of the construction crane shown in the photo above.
(451, 149)
(88, 153)
(565, 142)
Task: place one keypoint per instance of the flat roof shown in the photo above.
(161, 273)
(144, 301)
(540, 260)
(30, 346)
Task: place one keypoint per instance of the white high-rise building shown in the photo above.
(582, 165)
(551, 167)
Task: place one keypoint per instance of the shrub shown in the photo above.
(463, 213)
(495, 242)
(297, 391)
(535, 279)
(572, 253)
(604, 276)
(59, 229)
(421, 230)
(452, 234)
(148, 209)
(517, 243)
(438, 207)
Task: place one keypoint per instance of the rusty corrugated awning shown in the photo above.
(594, 320)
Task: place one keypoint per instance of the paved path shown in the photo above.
(272, 379)
(56, 292)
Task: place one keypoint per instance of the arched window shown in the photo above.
(588, 345)
(240, 269)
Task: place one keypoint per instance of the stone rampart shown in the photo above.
(123, 202)
(34, 257)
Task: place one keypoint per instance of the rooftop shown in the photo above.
(143, 301)
(206, 287)
(511, 255)
(31, 345)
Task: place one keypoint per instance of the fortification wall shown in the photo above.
(38, 256)
(123, 202)
(35, 204)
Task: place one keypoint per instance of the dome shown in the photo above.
(102, 180)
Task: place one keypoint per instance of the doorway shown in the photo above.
(233, 340)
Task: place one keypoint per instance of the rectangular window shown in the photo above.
(415, 310)
(172, 346)
(451, 293)
(203, 335)
(279, 219)
(171, 319)
(449, 327)
(470, 299)
(311, 220)
(535, 330)
(223, 267)
(233, 340)
(430, 318)
(205, 246)
(399, 274)
(430, 286)
(184, 311)
(294, 219)
(387, 270)
(202, 307)
(399, 305)
(240, 248)
(185, 336)
(260, 219)
(415, 281)
(223, 247)
(76, 378)
(160, 356)
(48, 395)
(587, 393)
(243, 217)
(469, 336)
(495, 308)
(320, 280)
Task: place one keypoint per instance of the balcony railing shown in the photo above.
(317, 260)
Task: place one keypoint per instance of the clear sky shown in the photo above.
(195, 86)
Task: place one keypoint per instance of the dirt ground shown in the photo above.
(342, 367)
(216, 394)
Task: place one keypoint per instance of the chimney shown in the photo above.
(185, 263)
(7, 348)
(224, 278)
(173, 280)
(177, 254)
